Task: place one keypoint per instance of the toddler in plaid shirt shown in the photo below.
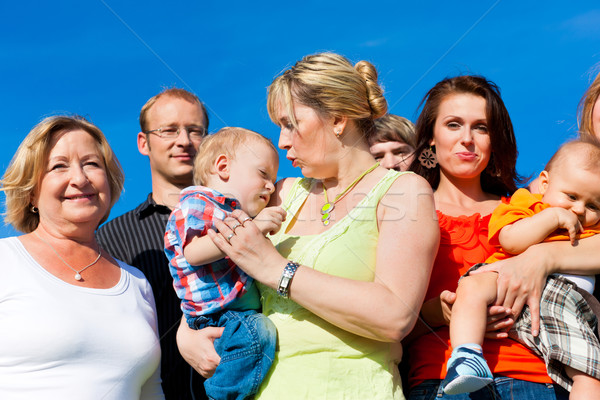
(235, 168)
(567, 209)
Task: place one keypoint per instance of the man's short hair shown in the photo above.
(175, 93)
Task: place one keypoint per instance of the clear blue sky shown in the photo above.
(104, 59)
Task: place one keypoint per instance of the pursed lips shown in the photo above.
(293, 160)
(467, 155)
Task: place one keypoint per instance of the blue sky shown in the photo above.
(104, 59)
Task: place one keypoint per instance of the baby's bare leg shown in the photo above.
(469, 313)
(584, 386)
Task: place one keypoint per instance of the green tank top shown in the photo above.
(315, 359)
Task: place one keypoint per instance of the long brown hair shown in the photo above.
(500, 176)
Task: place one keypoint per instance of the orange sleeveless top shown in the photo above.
(463, 243)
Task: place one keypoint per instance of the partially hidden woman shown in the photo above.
(74, 322)
(589, 111)
(344, 276)
(589, 126)
(467, 151)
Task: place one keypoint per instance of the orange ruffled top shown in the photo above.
(464, 242)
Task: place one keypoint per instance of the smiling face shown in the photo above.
(252, 175)
(74, 189)
(572, 186)
(461, 138)
(312, 145)
(171, 160)
(393, 154)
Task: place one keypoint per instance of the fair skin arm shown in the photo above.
(397, 290)
(517, 237)
(436, 312)
(521, 278)
(202, 250)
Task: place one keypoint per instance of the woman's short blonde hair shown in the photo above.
(226, 141)
(329, 84)
(586, 108)
(27, 167)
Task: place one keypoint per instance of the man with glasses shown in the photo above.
(173, 124)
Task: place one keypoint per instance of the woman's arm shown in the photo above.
(521, 278)
(436, 312)
(385, 309)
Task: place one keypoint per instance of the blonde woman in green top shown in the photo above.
(344, 277)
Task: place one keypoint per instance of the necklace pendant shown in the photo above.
(78, 276)
(327, 208)
(326, 212)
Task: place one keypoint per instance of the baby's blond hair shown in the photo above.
(586, 150)
(226, 141)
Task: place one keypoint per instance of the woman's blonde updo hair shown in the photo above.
(329, 84)
(27, 167)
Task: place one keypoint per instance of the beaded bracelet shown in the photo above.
(286, 278)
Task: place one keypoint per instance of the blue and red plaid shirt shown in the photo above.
(203, 289)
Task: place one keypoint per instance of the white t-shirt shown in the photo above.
(60, 341)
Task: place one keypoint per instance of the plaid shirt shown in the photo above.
(208, 288)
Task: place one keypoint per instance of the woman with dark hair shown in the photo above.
(467, 151)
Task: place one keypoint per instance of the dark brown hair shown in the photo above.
(500, 176)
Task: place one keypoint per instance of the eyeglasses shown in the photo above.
(172, 132)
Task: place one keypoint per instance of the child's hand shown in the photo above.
(566, 219)
(269, 220)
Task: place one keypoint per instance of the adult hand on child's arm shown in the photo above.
(499, 321)
(521, 280)
(197, 348)
(437, 312)
(269, 220)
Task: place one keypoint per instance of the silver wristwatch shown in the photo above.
(286, 278)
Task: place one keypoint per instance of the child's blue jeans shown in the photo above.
(246, 348)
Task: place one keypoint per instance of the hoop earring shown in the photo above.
(34, 209)
(428, 159)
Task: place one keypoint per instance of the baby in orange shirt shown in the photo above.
(568, 208)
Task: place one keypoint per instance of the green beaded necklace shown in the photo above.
(328, 207)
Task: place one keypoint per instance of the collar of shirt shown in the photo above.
(215, 195)
(150, 207)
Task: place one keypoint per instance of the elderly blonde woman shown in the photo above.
(76, 324)
(344, 276)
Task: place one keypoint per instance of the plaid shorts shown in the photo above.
(568, 330)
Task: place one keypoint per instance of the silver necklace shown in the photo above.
(77, 273)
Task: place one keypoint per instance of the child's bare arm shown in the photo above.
(202, 250)
(519, 236)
